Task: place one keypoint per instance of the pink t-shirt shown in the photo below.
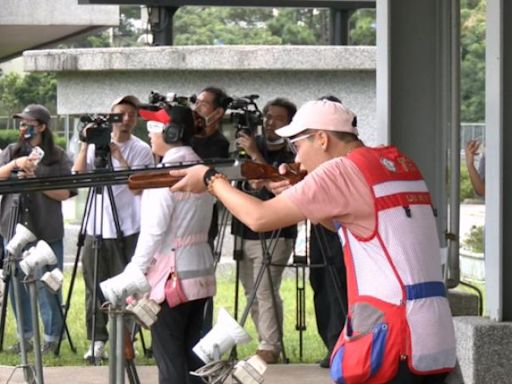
(336, 190)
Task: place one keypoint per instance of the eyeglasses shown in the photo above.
(28, 124)
(155, 127)
(291, 142)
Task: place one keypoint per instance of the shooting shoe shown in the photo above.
(269, 357)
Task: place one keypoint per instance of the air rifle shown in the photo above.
(234, 169)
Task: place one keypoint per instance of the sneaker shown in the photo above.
(16, 348)
(269, 357)
(99, 352)
(49, 347)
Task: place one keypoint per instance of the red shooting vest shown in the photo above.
(397, 299)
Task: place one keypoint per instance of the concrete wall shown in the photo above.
(89, 79)
(56, 12)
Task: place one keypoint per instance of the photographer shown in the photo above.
(35, 208)
(125, 150)
(174, 253)
(270, 149)
(209, 142)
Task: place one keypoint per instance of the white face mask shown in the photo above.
(277, 141)
(208, 119)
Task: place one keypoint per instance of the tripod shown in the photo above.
(94, 241)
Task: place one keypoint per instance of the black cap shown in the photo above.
(34, 112)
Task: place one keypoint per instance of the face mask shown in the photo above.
(207, 119)
(30, 132)
(276, 141)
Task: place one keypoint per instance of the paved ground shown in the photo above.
(276, 374)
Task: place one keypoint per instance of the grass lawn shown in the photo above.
(313, 348)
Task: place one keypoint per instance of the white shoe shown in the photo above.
(99, 351)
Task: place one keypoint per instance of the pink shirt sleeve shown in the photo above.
(336, 191)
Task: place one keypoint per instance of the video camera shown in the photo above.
(170, 99)
(97, 129)
(245, 115)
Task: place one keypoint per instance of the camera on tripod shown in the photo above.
(97, 129)
(245, 115)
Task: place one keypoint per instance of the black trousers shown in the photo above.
(405, 376)
(329, 312)
(174, 334)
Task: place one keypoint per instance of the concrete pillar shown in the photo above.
(161, 22)
(498, 223)
(414, 87)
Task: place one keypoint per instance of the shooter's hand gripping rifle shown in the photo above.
(248, 170)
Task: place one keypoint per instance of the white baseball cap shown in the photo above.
(129, 99)
(322, 115)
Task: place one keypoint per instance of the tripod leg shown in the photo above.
(268, 251)
(80, 244)
(300, 298)
(3, 313)
(68, 298)
(64, 326)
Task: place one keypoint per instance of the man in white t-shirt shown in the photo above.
(115, 249)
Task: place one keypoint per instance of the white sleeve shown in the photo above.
(157, 206)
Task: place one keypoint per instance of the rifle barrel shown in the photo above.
(96, 178)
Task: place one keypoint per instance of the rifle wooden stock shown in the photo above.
(250, 170)
(129, 353)
(152, 180)
(254, 171)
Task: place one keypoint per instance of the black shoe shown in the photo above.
(325, 362)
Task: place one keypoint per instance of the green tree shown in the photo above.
(9, 85)
(40, 88)
(362, 27)
(17, 91)
(473, 60)
(213, 26)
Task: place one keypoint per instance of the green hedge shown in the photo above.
(8, 136)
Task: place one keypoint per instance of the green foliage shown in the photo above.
(8, 136)
(213, 26)
(473, 60)
(40, 88)
(314, 349)
(93, 40)
(474, 241)
(60, 141)
(362, 27)
(9, 84)
(17, 91)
